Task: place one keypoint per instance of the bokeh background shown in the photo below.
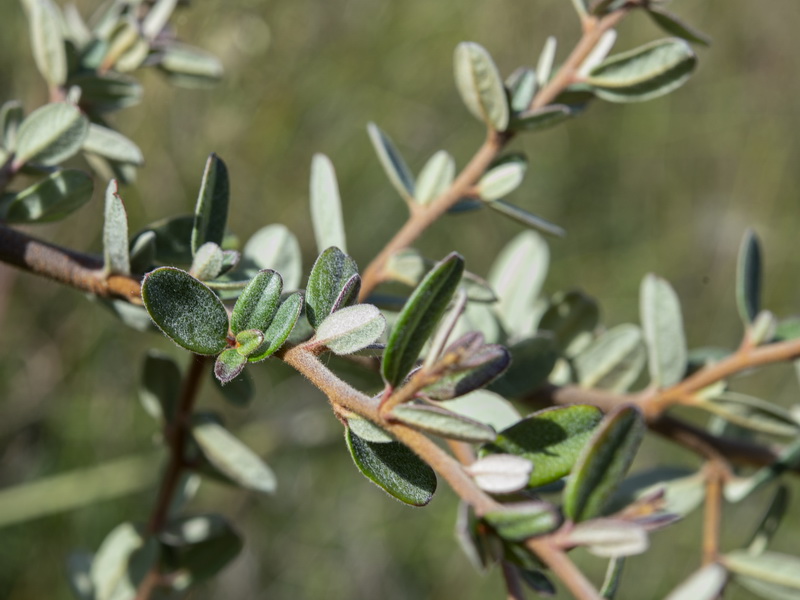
(666, 186)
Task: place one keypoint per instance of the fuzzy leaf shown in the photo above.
(281, 326)
(480, 85)
(490, 361)
(603, 462)
(186, 311)
(501, 473)
(551, 439)
(518, 522)
(330, 278)
(229, 365)
(395, 468)
(211, 212)
(439, 421)
(435, 177)
(248, 341)
(705, 584)
(368, 431)
(326, 205)
(111, 144)
(200, 545)
(392, 162)
(258, 302)
(230, 456)
(51, 134)
(612, 361)
(485, 407)
(674, 26)
(49, 199)
(116, 257)
(609, 538)
(207, 262)
(275, 247)
(47, 41)
(644, 73)
(503, 177)
(748, 277)
(419, 316)
(662, 323)
(350, 329)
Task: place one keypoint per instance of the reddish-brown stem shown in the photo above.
(514, 589)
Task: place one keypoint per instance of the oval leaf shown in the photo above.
(609, 538)
(501, 473)
(330, 278)
(211, 211)
(613, 360)
(326, 206)
(49, 199)
(229, 365)
(518, 522)
(280, 328)
(51, 134)
(503, 177)
(480, 85)
(748, 277)
(442, 422)
(47, 41)
(485, 407)
(122, 562)
(392, 162)
(350, 329)
(111, 144)
(673, 25)
(188, 312)
(258, 302)
(419, 316)
(705, 584)
(395, 468)
(532, 360)
(435, 177)
(662, 323)
(770, 575)
(542, 118)
(116, 256)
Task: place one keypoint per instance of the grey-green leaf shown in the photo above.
(503, 177)
(485, 407)
(532, 360)
(609, 538)
(395, 468)
(230, 456)
(160, 386)
(190, 67)
(275, 247)
(50, 199)
(156, 18)
(520, 215)
(229, 365)
(603, 462)
(522, 85)
(544, 66)
(644, 73)
(748, 277)
(122, 562)
(419, 316)
(444, 423)
(258, 302)
(771, 575)
(11, 116)
(47, 41)
(392, 161)
(480, 85)
(541, 118)
(674, 26)
(551, 439)
(501, 473)
(326, 205)
(570, 315)
(211, 212)
(368, 431)
(51, 134)
(116, 257)
(662, 323)
(435, 177)
(350, 329)
(281, 326)
(186, 311)
(111, 144)
(328, 279)
(520, 521)
(703, 584)
(207, 262)
(613, 360)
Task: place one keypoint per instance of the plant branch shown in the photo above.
(81, 271)
(716, 474)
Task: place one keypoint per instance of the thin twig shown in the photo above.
(716, 474)
(511, 578)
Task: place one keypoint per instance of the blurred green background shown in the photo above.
(666, 186)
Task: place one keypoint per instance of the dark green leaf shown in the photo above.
(569, 315)
(603, 463)
(112, 145)
(108, 92)
(51, 134)
(258, 302)
(479, 83)
(329, 278)
(350, 329)
(770, 522)
(47, 40)
(211, 212)
(229, 364)
(394, 468)
(551, 439)
(280, 328)
(490, 361)
(419, 316)
(392, 162)
(11, 116)
(230, 456)
(704, 584)
(520, 521)
(748, 277)
(186, 310)
(538, 582)
(644, 73)
(532, 360)
(239, 391)
(200, 546)
(674, 26)
(442, 422)
(116, 257)
(326, 205)
(662, 323)
(771, 575)
(49, 199)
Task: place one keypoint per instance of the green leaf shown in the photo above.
(517, 277)
(481, 547)
(116, 258)
(522, 86)
(738, 489)
(501, 473)
(770, 575)
(613, 360)
(190, 67)
(503, 177)
(522, 520)
(435, 177)
(328, 285)
(544, 67)
(603, 462)
(752, 413)
(111, 144)
(326, 205)
(704, 584)
(282, 324)
(368, 431)
(644, 73)
(395, 468)
(674, 26)
(770, 522)
(229, 364)
(238, 391)
(662, 323)
(419, 316)
(121, 563)
(108, 92)
(50, 199)
(485, 365)
(609, 538)
(258, 302)
(207, 262)
(211, 212)
(51, 134)
(551, 439)
(485, 407)
(748, 277)
(275, 247)
(187, 311)
(172, 239)
(541, 118)
(157, 17)
(350, 329)
(570, 314)
(443, 423)
(11, 116)
(480, 85)
(230, 456)
(681, 490)
(392, 162)
(520, 215)
(532, 360)
(200, 546)
(47, 41)
(160, 386)
(248, 341)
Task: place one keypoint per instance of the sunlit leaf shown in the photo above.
(485, 407)
(609, 537)
(189, 67)
(392, 161)
(258, 302)
(229, 365)
(503, 177)
(435, 177)
(275, 247)
(613, 360)
(111, 144)
(522, 85)
(49, 199)
(662, 323)
(350, 329)
(444, 423)
(122, 562)
(770, 575)
(326, 206)
(480, 85)
(116, 257)
(544, 66)
(330, 285)
(47, 41)
(704, 584)
(51, 134)
(518, 522)
(501, 473)
(207, 262)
